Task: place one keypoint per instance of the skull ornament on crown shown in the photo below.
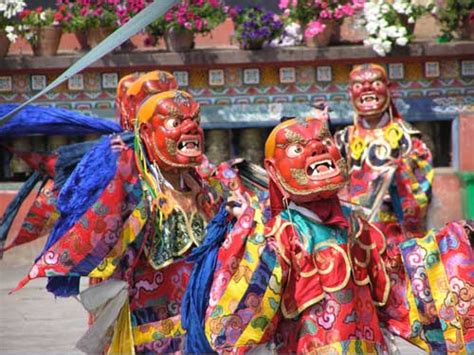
(170, 131)
(369, 90)
(133, 90)
(303, 161)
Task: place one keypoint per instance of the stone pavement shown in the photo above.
(33, 322)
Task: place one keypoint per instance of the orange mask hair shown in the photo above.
(137, 91)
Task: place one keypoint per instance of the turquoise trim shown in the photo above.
(311, 232)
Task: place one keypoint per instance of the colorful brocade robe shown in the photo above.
(390, 181)
(297, 287)
(120, 238)
(440, 270)
(391, 174)
(159, 279)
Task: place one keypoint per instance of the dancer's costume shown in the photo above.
(306, 280)
(390, 174)
(123, 221)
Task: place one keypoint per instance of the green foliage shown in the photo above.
(452, 17)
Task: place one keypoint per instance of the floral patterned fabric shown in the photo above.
(98, 231)
(326, 302)
(119, 237)
(40, 218)
(390, 181)
(246, 289)
(440, 269)
(296, 287)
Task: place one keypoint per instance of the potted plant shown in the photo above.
(320, 18)
(391, 24)
(255, 26)
(456, 18)
(154, 32)
(74, 22)
(182, 21)
(9, 10)
(96, 18)
(42, 29)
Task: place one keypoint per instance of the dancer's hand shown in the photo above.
(237, 203)
(117, 144)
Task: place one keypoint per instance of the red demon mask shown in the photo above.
(170, 130)
(303, 161)
(369, 90)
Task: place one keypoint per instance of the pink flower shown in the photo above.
(339, 13)
(358, 4)
(214, 3)
(169, 16)
(233, 13)
(188, 25)
(314, 28)
(198, 2)
(284, 4)
(181, 20)
(84, 11)
(97, 12)
(198, 24)
(325, 14)
(348, 9)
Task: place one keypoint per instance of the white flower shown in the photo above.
(392, 31)
(378, 48)
(383, 23)
(387, 46)
(294, 29)
(293, 36)
(3, 6)
(42, 16)
(372, 27)
(411, 19)
(401, 41)
(383, 33)
(12, 37)
(402, 31)
(399, 7)
(385, 8)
